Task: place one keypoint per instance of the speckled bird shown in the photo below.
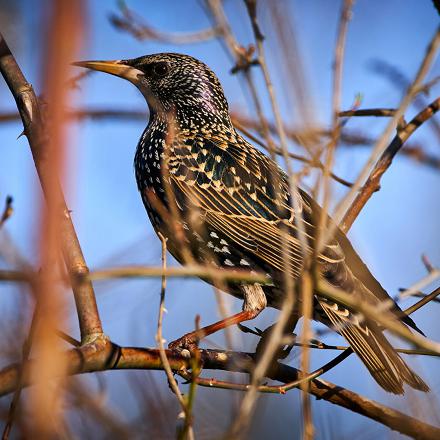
(222, 202)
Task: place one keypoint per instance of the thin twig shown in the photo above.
(324, 346)
(345, 16)
(244, 124)
(432, 276)
(428, 265)
(71, 340)
(373, 182)
(129, 22)
(379, 112)
(423, 301)
(346, 212)
(160, 343)
(315, 164)
(206, 272)
(248, 404)
(26, 349)
(378, 313)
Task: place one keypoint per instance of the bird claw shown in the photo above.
(185, 345)
(245, 329)
(283, 351)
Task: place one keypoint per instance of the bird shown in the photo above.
(220, 201)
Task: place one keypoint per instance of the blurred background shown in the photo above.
(386, 42)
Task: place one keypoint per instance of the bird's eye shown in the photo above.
(160, 69)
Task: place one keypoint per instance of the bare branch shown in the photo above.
(27, 103)
(373, 182)
(342, 213)
(129, 22)
(102, 355)
(386, 112)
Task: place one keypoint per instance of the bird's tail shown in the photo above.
(367, 340)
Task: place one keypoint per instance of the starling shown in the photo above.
(222, 202)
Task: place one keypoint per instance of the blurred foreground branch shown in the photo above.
(349, 138)
(128, 21)
(373, 182)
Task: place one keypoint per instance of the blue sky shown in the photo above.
(396, 227)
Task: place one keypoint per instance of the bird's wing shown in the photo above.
(368, 342)
(359, 268)
(230, 179)
(245, 196)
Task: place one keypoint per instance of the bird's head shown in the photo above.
(172, 83)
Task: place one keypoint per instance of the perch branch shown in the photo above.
(103, 355)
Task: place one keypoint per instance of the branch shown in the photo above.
(172, 382)
(103, 355)
(244, 124)
(378, 112)
(133, 24)
(27, 104)
(340, 214)
(373, 182)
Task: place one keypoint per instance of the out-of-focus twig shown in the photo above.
(273, 389)
(399, 81)
(379, 314)
(338, 63)
(188, 431)
(248, 404)
(373, 182)
(130, 22)
(347, 209)
(26, 348)
(243, 124)
(73, 83)
(316, 164)
(207, 272)
(336, 125)
(428, 265)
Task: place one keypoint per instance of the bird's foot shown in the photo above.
(284, 348)
(185, 345)
(245, 329)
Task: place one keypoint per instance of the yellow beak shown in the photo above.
(114, 67)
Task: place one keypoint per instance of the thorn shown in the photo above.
(8, 210)
(21, 134)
